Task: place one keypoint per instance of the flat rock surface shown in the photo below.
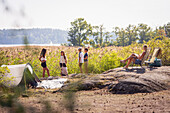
(134, 80)
(141, 81)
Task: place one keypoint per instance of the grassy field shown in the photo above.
(100, 59)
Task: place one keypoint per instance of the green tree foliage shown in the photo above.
(131, 33)
(95, 34)
(144, 33)
(79, 32)
(107, 39)
(101, 35)
(92, 43)
(121, 36)
(167, 29)
(98, 34)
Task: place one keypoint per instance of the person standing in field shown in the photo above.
(86, 60)
(80, 59)
(63, 62)
(43, 62)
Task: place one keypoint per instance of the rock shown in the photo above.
(87, 83)
(120, 81)
(150, 81)
(78, 75)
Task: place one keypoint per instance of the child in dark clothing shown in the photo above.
(43, 62)
(86, 60)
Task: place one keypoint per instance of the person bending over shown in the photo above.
(135, 57)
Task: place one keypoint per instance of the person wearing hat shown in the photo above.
(80, 59)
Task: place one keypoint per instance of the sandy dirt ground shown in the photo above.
(97, 101)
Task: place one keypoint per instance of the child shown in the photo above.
(80, 59)
(135, 57)
(63, 62)
(86, 60)
(43, 62)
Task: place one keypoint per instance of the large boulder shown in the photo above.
(120, 81)
(150, 81)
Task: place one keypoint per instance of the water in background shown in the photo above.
(15, 45)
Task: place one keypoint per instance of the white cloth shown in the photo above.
(136, 55)
(52, 84)
(42, 58)
(81, 57)
(62, 60)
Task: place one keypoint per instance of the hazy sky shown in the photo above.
(59, 13)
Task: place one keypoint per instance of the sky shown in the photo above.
(59, 13)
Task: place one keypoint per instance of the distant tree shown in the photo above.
(33, 36)
(95, 34)
(113, 43)
(144, 33)
(92, 43)
(86, 41)
(98, 34)
(79, 32)
(107, 36)
(131, 33)
(121, 36)
(101, 35)
(167, 29)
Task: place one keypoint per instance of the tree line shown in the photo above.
(81, 33)
(33, 36)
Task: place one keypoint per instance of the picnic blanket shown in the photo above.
(52, 84)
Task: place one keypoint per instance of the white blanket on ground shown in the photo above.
(52, 84)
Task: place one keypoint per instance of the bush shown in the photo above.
(3, 79)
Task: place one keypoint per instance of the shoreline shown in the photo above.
(23, 45)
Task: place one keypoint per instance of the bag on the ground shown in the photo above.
(64, 71)
(157, 63)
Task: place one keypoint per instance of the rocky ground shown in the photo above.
(134, 80)
(117, 90)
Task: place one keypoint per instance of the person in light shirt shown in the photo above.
(80, 59)
(63, 62)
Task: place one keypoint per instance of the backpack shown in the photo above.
(157, 63)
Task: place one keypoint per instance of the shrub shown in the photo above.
(3, 71)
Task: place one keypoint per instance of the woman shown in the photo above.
(135, 57)
(43, 62)
(63, 62)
